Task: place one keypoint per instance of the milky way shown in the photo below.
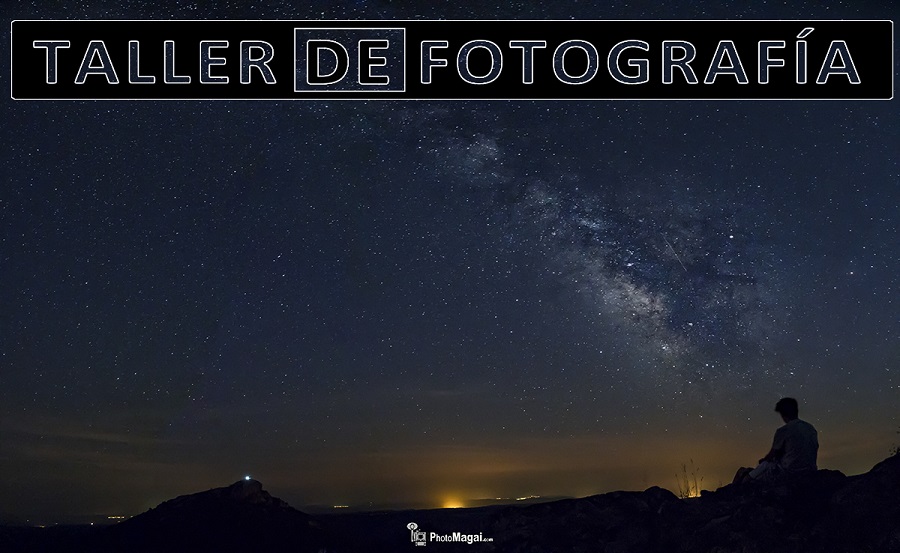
(681, 270)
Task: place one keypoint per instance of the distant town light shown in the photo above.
(452, 503)
(247, 477)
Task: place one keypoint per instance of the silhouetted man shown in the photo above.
(794, 448)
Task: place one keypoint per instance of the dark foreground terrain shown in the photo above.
(824, 512)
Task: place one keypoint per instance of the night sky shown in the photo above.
(427, 303)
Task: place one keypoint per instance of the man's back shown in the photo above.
(799, 442)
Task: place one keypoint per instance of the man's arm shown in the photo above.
(772, 456)
(777, 448)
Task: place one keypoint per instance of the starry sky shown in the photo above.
(426, 303)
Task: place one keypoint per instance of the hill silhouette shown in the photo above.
(824, 512)
(240, 517)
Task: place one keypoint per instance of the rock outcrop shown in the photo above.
(823, 512)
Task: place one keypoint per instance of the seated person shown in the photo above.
(793, 450)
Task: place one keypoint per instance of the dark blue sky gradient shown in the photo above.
(418, 302)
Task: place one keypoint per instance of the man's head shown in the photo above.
(787, 406)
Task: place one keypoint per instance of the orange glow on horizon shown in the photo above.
(452, 503)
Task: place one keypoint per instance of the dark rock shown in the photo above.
(613, 522)
(864, 514)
